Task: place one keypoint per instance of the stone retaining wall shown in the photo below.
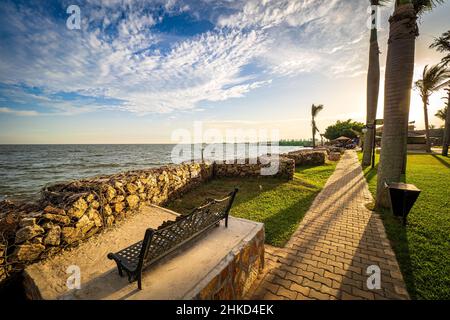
(71, 212)
(254, 168)
(307, 158)
(238, 273)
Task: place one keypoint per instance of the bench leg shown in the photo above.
(139, 280)
(226, 221)
(120, 270)
(119, 267)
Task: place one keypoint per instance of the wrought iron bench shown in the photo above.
(170, 236)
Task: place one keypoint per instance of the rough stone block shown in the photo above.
(27, 252)
(28, 233)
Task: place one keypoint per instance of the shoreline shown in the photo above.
(35, 172)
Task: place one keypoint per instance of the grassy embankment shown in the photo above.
(423, 247)
(279, 204)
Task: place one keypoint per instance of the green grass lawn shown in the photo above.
(423, 247)
(279, 204)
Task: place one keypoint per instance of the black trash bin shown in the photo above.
(402, 198)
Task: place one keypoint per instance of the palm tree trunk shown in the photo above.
(373, 89)
(314, 133)
(398, 83)
(427, 125)
(446, 142)
(405, 151)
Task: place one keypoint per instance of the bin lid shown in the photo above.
(403, 186)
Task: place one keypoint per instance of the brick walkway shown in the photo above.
(328, 255)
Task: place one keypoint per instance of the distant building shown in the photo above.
(417, 139)
(436, 136)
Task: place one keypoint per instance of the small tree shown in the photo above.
(349, 128)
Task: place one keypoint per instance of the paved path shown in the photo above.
(338, 239)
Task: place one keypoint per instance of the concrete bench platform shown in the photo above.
(219, 265)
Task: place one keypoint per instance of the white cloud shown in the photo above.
(280, 38)
(25, 113)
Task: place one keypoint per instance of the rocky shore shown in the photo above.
(72, 212)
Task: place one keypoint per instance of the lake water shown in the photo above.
(25, 169)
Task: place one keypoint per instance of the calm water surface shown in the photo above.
(25, 169)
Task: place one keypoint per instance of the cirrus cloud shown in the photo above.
(120, 56)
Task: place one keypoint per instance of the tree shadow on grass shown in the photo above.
(371, 174)
(398, 237)
(445, 163)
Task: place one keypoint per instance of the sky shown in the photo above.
(141, 71)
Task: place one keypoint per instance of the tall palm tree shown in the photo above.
(433, 79)
(442, 44)
(397, 94)
(373, 83)
(314, 112)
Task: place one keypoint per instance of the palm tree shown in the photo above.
(314, 112)
(442, 44)
(373, 84)
(433, 79)
(442, 114)
(397, 94)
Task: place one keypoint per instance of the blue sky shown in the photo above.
(138, 70)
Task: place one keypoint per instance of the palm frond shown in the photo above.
(442, 114)
(433, 78)
(422, 6)
(442, 44)
(315, 109)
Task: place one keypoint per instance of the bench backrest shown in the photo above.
(173, 234)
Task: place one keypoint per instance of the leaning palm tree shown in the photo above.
(433, 79)
(373, 83)
(314, 112)
(442, 44)
(397, 94)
